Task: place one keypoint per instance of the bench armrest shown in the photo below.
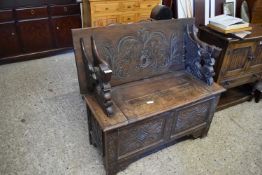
(199, 56)
(99, 75)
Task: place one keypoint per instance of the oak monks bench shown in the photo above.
(145, 86)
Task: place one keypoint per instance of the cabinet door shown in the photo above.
(35, 35)
(255, 59)
(62, 29)
(236, 60)
(9, 44)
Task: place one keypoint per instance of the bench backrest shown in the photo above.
(135, 51)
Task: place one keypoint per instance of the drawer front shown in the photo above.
(127, 6)
(29, 13)
(144, 15)
(128, 18)
(105, 7)
(6, 15)
(148, 4)
(230, 83)
(104, 21)
(61, 10)
(191, 117)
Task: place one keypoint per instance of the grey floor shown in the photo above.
(43, 130)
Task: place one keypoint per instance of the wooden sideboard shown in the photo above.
(38, 29)
(105, 12)
(240, 62)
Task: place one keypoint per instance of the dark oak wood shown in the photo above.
(35, 26)
(62, 29)
(240, 61)
(29, 13)
(33, 41)
(146, 86)
(6, 15)
(9, 40)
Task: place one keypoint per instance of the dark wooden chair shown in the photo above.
(145, 85)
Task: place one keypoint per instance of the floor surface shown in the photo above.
(43, 130)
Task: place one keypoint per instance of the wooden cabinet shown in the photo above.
(10, 45)
(35, 35)
(36, 28)
(240, 62)
(104, 12)
(236, 61)
(62, 29)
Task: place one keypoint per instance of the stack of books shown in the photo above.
(228, 24)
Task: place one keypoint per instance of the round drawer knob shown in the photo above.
(129, 6)
(57, 28)
(32, 12)
(106, 8)
(13, 33)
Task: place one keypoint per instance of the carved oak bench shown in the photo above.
(145, 85)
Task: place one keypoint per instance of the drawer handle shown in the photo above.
(129, 7)
(149, 5)
(65, 9)
(32, 12)
(13, 33)
(106, 8)
(57, 28)
(128, 19)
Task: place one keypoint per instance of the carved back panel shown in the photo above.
(140, 50)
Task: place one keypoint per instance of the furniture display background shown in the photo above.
(106, 12)
(146, 85)
(30, 29)
(240, 63)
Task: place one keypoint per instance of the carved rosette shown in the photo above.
(199, 56)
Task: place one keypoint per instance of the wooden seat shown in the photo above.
(145, 85)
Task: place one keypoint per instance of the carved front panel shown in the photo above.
(191, 116)
(139, 136)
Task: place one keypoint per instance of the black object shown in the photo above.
(161, 12)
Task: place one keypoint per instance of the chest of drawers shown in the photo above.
(105, 12)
